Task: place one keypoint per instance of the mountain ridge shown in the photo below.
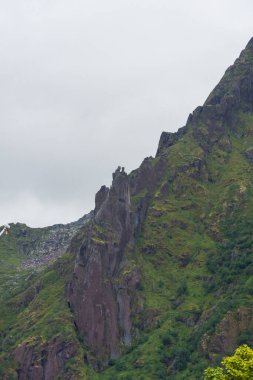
(157, 283)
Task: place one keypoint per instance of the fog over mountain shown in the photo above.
(90, 85)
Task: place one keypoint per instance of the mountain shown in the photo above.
(157, 282)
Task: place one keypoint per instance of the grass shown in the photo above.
(184, 253)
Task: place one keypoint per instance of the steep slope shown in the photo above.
(40, 246)
(158, 284)
(100, 291)
(32, 300)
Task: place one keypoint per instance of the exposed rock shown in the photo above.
(184, 259)
(195, 170)
(138, 217)
(100, 197)
(225, 144)
(168, 139)
(147, 176)
(29, 295)
(101, 291)
(42, 245)
(149, 249)
(43, 361)
(233, 92)
(189, 320)
(225, 339)
(151, 320)
(249, 154)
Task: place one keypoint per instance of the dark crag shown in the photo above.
(157, 282)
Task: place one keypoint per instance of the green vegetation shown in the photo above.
(236, 367)
(195, 254)
(34, 310)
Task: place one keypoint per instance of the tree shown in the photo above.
(236, 367)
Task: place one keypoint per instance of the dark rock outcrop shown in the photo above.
(146, 178)
(103, 291)
(103, 285)
(168, 139)
(232, 94)
(100, 198)
(38, 361)
(228, 332)
(249, 154)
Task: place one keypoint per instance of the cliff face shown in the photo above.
(38, 361)
(187, 162)
(34, 266)
(157, 282)
(232, 330)
(100, 294)
(220, 112)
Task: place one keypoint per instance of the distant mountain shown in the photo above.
(157, 282)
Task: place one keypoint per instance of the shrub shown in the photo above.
(235, 367)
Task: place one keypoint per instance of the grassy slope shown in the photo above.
(186, 228)
(33, 306)
(180, 237)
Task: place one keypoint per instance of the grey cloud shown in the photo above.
(88, 85)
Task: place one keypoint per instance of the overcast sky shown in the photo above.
(86, 86)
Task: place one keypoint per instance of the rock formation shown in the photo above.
(157, 281)
(42, 245)
(38, 361)
(100, 294)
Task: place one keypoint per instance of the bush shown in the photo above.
(166, 339)
(181, 359)
(182, 289)
(236, 367)
(120, 366)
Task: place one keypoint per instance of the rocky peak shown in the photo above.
(115, 201)
(233, 93)
(100, 198)
(100, 295)
(237, 81)
(195, 232)
(234, 89)
(168, 139)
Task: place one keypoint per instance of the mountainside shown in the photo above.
(157, 282)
